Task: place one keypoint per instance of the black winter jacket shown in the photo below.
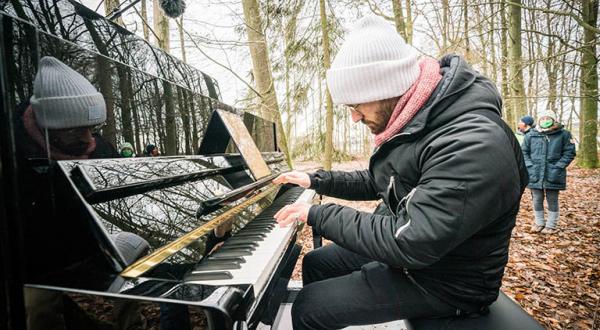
(452, 180)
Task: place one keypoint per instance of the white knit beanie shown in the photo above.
(373, 64)
(62, 98)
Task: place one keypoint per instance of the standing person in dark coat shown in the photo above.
(547, 150)
(451, 176)
(126, 150)
(525, 125)
(151, 150)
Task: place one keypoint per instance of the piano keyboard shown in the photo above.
(251, 255)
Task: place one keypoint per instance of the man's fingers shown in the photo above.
(290, 218)
(281, 179)
(295, 177)
(281, 214)
(285, 213)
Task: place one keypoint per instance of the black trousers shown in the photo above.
(342, 288)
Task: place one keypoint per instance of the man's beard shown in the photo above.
(75, 147)
(382, 115)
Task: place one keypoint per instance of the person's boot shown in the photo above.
(552, 222)
(540, 222)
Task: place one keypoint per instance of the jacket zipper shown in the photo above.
(405, 200)
(389, 189)
(422, 289)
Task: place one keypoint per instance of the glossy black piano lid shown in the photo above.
(163, 215)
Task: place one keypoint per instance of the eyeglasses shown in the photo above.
(77, 130)
(98, 128)
(354, 109)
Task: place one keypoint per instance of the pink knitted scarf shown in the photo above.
(34, 131)
(413, 100)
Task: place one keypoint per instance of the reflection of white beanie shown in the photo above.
(62, 98)
(373, 64)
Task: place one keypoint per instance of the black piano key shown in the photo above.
(236, 248)
(258, 235)
(211, 259)
(216, 275)
(231, 253)
(241, 244)
(253, 231)
(263, 221)
(264, 228)
(244, 240)
(217, 265)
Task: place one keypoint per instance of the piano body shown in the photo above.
(215, 256)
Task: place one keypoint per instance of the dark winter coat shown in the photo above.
(452, 180)
(547, 155)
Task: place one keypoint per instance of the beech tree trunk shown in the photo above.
(263, 77)
(517, 88)
(329, 103)
(399, 18)
(161, 27)
(588, 155)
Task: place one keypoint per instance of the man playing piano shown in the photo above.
(450, 174)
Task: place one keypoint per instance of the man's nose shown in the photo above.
(356, 117)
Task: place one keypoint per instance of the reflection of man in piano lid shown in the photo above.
(448, 171)
(66, 109)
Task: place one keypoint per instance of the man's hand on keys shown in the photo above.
(295, 177)
(297, 212)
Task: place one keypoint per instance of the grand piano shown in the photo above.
(201, 246)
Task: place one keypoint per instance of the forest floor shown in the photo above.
(555, 278)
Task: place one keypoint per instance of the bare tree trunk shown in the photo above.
(492, 44)
(329, 102)
(409, 22)
(509, 115)
(161, 27)
(466, 33)
(144, 14)
(482, 40)
(104, 72)
(445, 23)
(288, 38)
(399, 18)
(109, 7)
(516, 64)
(261, 67)
(551, 69)
(588, 156)
(125, 91)
(182, 40)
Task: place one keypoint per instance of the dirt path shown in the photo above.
(555, 278)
